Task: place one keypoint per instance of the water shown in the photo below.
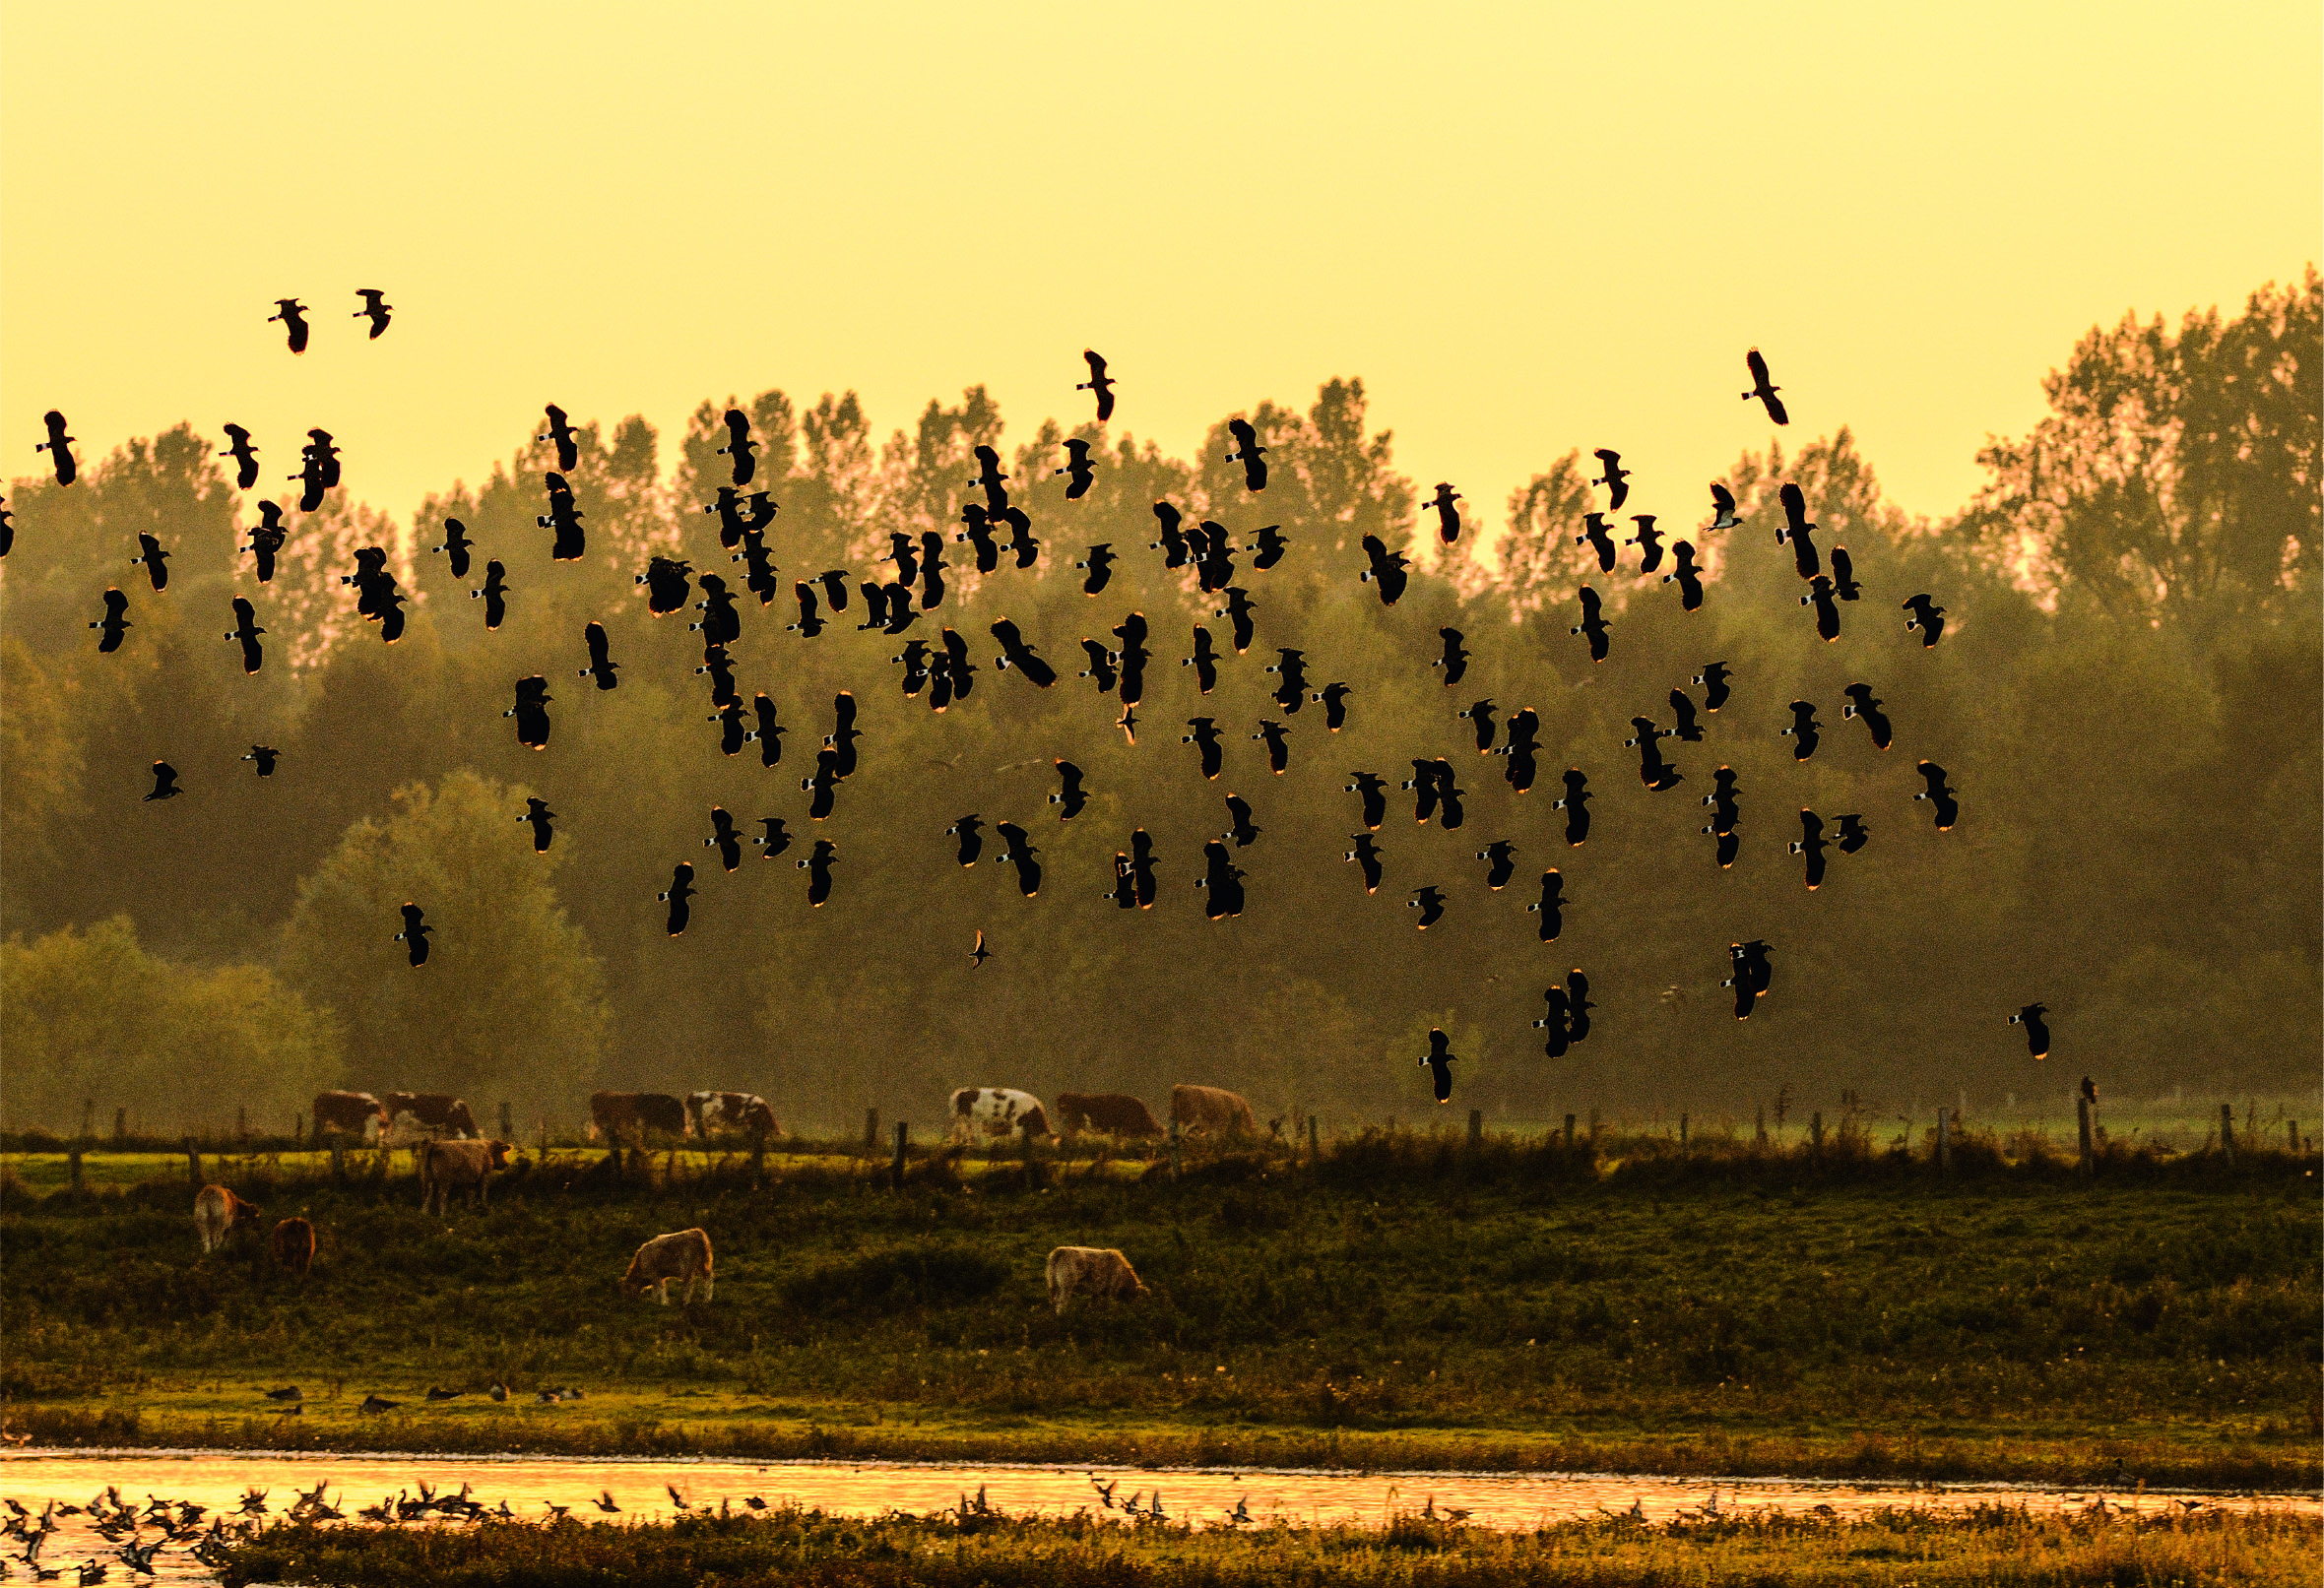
(529, 1483)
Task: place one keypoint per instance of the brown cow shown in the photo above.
(417, 1116)
(292, 1244)
(685, 1256)
(1109, 1113)
(349, 1112)
(619, 1115)
(713, 1113)
(1100, 1270)
(447, 1165)
(214, 1211)
(1211, 1111)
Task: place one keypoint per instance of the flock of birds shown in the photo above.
(942, 670)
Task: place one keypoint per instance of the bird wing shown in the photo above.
(1759, 367)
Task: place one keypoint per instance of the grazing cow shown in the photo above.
(292, 1244)
(1211, 1111)
(714, 1112)
(1100, 1270)
(349, 1112)
(1110, 1114)
(995, 1111)
(214, 1211)
(685, 1256)
(445, 1166)
(617, 1115)
(417, 1116)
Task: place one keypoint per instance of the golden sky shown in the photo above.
(1528, 227)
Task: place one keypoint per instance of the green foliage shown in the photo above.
(917, 1275)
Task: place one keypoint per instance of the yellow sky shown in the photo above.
(1528, 228)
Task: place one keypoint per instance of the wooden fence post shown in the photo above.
(339, 1159)
(1682, 1133)
(1943, 1144)
(1568, 1132)
(2226, 1133)
(1476, 1128)
(1174, 1149)
(193, 1163)
(507, 1123)
(75, 1158)
(871, 1130)
(2082, 1128)
(120, 1124)
(1816, 1132)
(896, 1170)
(1314, 1146)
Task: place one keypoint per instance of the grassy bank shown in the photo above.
(1409, 1302)
(1994, 1547)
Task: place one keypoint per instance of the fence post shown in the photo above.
(75, 1157)
(1816, 1132)
(1682, 1133)
(120, 1124)
(1942, 1144)
(507, 1123)
(2081, 1126)
(2226, 1133)
(757, 1153)
(871, 1130)
(89, 1119)
(1174, 1149)
(1476, 1128)
(896, 1170)
(2291, 1128)
(1314, 1146)
(339, 1160)
(193, 1163)
(1568, 1132)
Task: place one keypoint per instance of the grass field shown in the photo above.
(2002, 1547)
(1409, 1302)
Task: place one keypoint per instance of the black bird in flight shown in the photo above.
(1249, 453)
(1522, 748)
(1863, 703)
(376, 309)
(560, 435)
(539, 816)
(1439, 1061)
(1099, 564)
(494, 595)
(1222, 882)
(904, 551)
(1725, 810)
(817, 866)
(740, 447)
(1722, 508)
(1367, 857)
(769, 733)
(1278, 750)
(245, 456)
(1844, 575)
(1101, 665)
(59, 447)
(1819, 596)
(811, 622)
(247, 631)
(1204, 661)
(456, 543)
(994, 481)
(1554, 1022)
(1238, 613)
(292, 314)
(978, 535)
(1502, 862)
(1213, 554)
(1374, 791)
(676, 896)
(1141, 868)
(980, 953)
(1551, 905)
(1763, 389)
(1291, 668)
(762, 512)
(164, 783)
(1387, 570)
(1749, 975)
(844, 732)
(969, 828)
(1422, 786)
(1017, 849)
(114, 623)
(2036, 1029)
(415, 935)
(265, 756)
(914, 657)
(1578, 1005)
(1811, 844)
(1648, 540)
(1205, 736)
(1852, 836)
(724, 838)
(1429, 902)
(1021, 541)
(1172, 544)
(1243, 832)
(1714, 677)
(729, 510)
(721, 669)
(1656, 774)
(1270, 546)
(1576, 804)
(531, 710)
(1481, 714)
(825, 783)
(1099, 382)
(1450, 815)
(1019, 653)
(1940, 797)
(732, 734)
(721, 624)
(1803, 729)
(1454, 658)
(1688, 730)
(955, 673)
(1079, 470)
(774, 841)
(666, 582)
(1448, 514)
(1334, 698)
(1596, 534)
(1593, 626)
(758, 567)
(1616, 479)
(601, 666)
(1797, 530)
(1071, 794)
(1927, 616)
(266, 539)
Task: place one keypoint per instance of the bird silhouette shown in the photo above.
(1578, 1006)
(1099, 565)
(1204, 661)
(775, 840)
(1749, 975)
(1555, 1022)
(666, 582)
(1599, 537)
(1334, 698)
(415, 935)
(1862, 703)
(1798, 531)
(494, 595)
(1439, 1061)
(456, 543)
(1238, 612)
(560, 435)
(1214, 556)
(759, 566)
(1844, 575)
(317, 464)
(970, 831)
(1249, 453)
(1551, 905)
(678, 896)
(376, 309)
(1101, 665)
(1725, 808)
(164, 783)
(1387, 570)
(724, 839)
(1811, 844)
(1481, 714)
(1653, 770)
(247, 631)
(1072, 796)
(1763, 389)
(817, 866)
(1714, 678)
(824, 782)
(1423, 788)
(1278, 748)
(1502, 863)
(1722, 508)
(114, 623)
(1100, 383)
(1017, 849)
(739, 449)
(1019, 653)
(245, 456)
(728, 506)
(721, 624)
(539, 816)
(59, 447)
(1648, 540)
(720, 668)
(1455, 657)
(811, 622)
(1819, 596)
(1852, 834)
(980, 953)
(265, 756)
(1448, 514)
(1367, 856)
(844, 734)
(1290, 665)
(731, 734)
(1576, 804)
(1270, 546)
(2037, 1034)
(1143, 886)
(602, 666)
(1593, 626)
(1688, 730)
(1940, 796)
(1616, 479)
(1206, 737)
(992, 478)
(1429, 902)
(531, 710)
(1927, 616)
(1021, 541)
(1079, 470)
(1803, 731)
(292, 314)
(1372, 789)
(1522, 749)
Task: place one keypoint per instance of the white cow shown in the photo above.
(995, 1112)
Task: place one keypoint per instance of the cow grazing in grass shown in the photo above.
(350, 1113)
(214, 1211)
(417, 1117)
(710, 1113)
(1110, 1114)
(1100, 1270)
(448, 1166)
(292, 1244)
(1211, 1111)
(627, 1115)
(995, 1112)
(685, 1256)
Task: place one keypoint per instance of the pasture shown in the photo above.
(1408, 1301)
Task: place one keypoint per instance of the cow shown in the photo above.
(445, 1166)
(996, 1110)
(417, 1117)
(1109, 1113)
(214, 1211)
(1211, 1111)
(1100, 1270)
(709, 1113)
(292, 1244)
(685, 1256)
(345, 1113)
(620, 1114)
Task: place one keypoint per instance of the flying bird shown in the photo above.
(1100, 383)
(724, 838)
(1481, 714)
(1270, 546)
(1366, 855)
(2037, 1029)
(1019, 653)
(1206, 737)
(114, 623)
(494, 595)
(1763, 389)
(1072, 796)
(1714, 678)
(1387, 570)
(1616, 479)
(1862, 703)
(1374, 791)
(1249, 453)
(1927, 616)
(1811, 844)
(376, 309)
(1598, 536)
(1222, 882)
(560, 435)
(1852, 834)
(1455, 657)
(1204, 661)
(775, 840)
(245, 456)
(164, 783)
(265, 755)
(415, 935)
(456, 543)
(1592, 625)
(740, 448)
(1448, 514)
(1940, 796)
(1576, 804)
(1439, 1061)
(1278, 750)
(602, 666)
(1502, 863)
(1018, 850)
(531, 712)
(292, 314)
(681, 890)
(1844, 575)
(247, 631)
(1551, 905)
(1798, 530)
(1429, 902)
(1099, 564)
(667, 585)
(1079, 470)
(1648, 540)
(969, 828)
(1722, 508)
(539, 818)
(1803, 729)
